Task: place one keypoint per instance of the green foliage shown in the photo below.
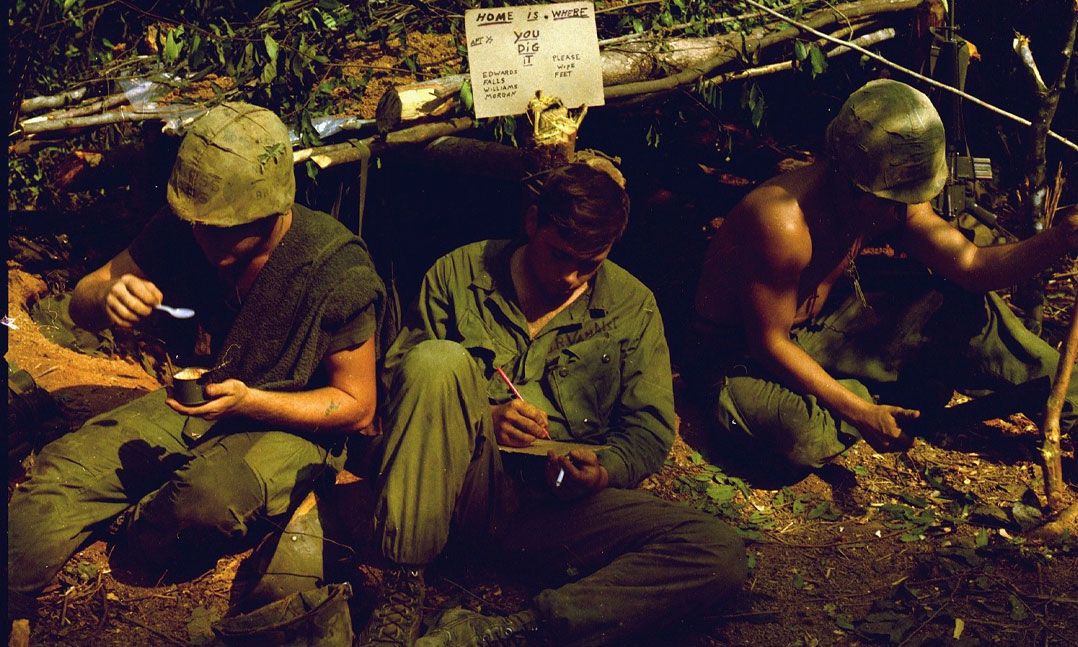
(283, 54)
(717, 493)
(752, 100)
(24, 181)
(466, 99)
(654, 135)
(504, 129)
(809, 58)
(83, 571)
(279, 55)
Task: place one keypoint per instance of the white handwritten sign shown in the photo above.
(515, 51)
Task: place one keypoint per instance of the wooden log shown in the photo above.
(34, 104)
(423, 100)
(40, 124)
(353, 150)
(91, 108)
(471, 157)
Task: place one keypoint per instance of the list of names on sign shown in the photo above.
(515, 51)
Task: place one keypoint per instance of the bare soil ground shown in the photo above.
(920, 548)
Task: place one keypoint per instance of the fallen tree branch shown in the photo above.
(696, 57)
(432, 98)
(91, 108)
(920, 77)
(34, 104)
(685, 25)
(40, 124)
(353, 150)
(471, 157)
(737, 75)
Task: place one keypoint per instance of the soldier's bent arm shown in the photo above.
(642, 425)
(115, 294)
(345, 405)
(781, 248)
(941, 247)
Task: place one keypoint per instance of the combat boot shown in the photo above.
(463, 628)
(396, 616)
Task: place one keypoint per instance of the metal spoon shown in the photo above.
(179, 313)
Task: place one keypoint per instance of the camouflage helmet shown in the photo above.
(234, 166)
(889, 140)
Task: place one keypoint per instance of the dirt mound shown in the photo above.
(83, 385)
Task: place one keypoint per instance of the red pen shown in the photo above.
(505, 378)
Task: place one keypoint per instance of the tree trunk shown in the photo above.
(1035, 179)
(1030, 295)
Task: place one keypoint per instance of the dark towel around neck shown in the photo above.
(317, 279)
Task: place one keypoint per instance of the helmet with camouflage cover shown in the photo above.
(234, 166)
(888, 140)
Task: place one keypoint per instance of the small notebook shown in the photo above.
(541, 446)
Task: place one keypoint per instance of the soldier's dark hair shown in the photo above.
(585, 206)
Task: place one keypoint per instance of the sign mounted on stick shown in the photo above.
(515, 51)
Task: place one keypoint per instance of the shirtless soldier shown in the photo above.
(783, 368)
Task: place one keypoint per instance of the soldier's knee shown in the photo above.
(220, 503)
(436, 361)
(436, 355)
(720, 553)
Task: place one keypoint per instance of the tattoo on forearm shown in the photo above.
(333, 406)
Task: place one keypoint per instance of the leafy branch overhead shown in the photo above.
(287, 55)
(281, 55)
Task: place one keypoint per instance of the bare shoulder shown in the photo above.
(771, 218)
(764, 239)
(923, 227)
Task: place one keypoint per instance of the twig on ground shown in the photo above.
(840, 544)
(160, 634)
(950, 601)
(1019, 595)
(98, 106)
(500, 607)
(104, 606)
(63, 611)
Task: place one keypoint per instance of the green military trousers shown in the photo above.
(624, 561)
(190, 500)
(913, 346)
